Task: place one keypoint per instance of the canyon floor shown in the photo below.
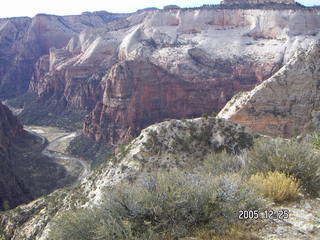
(58, 141)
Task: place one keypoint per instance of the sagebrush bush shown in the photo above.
(162, 206)
(315, 140)
(276, 186)
(76, 225)
(223, 162)
(293, 158)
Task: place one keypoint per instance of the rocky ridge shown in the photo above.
(278, 106)
(230, 2)
(176, 50)
(174, 144)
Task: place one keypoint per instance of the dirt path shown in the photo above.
(59, 140)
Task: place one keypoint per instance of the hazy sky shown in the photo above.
(15, 8)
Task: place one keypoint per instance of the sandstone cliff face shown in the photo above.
(169, 64)
(24, 40)
(284, 104)
(138, 93)
(12, 191)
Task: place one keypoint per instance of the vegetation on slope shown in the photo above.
(296, 159)
(85, 147)
(205, 204)
(47, 114)
(200, 198)
(160, 206)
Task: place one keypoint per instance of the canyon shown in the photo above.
(27, 171)
(174, 63)
(163, 87)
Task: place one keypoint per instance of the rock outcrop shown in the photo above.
(23, 40)
(286, 103)
(192, 62)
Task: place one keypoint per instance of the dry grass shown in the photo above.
(276, 186)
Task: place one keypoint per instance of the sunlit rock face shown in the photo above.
(285, 104)
(138, 93)
(23, 40)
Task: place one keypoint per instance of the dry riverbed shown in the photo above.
(58, 142)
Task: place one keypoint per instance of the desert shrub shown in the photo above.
(162, 206)
(315, 140)
(290, 157)
(153, 142)
(223, 162)
(234, 194)
(173, 203)
(76, 225)
(164, 203)
(277, 186)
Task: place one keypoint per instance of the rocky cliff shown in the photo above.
(26, 173)
(286, 103)
(23, 40)
(174, 63)
(12, 191)
(138, 93)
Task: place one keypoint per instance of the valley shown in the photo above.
(58, 141)
(161, 124)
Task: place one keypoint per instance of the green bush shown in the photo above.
(293, 158)
(162, 206)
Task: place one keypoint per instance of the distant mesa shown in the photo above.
(168, 7)
(232, 2)
(148, 9)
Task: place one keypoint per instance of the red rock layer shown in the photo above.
(139, 93)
